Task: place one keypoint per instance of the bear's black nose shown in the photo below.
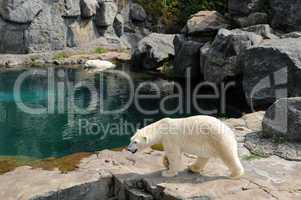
(132, 150)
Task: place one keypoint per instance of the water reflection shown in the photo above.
(64, 131)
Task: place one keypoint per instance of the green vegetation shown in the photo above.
(176, 12)
(100, 50)
(60, 56)
(64, 164)
(167, 69)
(252, 157)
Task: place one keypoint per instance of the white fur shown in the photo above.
(100, 64)
(203, 136)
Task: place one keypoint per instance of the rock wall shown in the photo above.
(28, 26)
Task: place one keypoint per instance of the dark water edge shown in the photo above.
(65, 132)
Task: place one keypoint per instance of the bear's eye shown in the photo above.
(135, 142)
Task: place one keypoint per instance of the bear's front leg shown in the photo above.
(165, 162)
(175, 161)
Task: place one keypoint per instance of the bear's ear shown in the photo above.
(144, 140)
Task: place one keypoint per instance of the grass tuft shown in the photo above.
(60, 56)
(100, 50)
(252, 157)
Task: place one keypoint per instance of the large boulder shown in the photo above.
(252, 19)
(106, 13)
(187, 56)
(88, 8)
(20, 11)
(286, 14)
(282, 120)
(272, 70)
(118, 25)
(205, 23)
(220, 60)
(262, 29)
(137, 13)
(244, 7)
(153, 50)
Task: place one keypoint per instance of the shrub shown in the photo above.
(175, 13)
(60, 56)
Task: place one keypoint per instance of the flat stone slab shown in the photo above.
(127, 176)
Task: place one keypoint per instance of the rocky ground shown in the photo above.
(66, 58)
(121, 175)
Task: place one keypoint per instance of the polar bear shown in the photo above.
(203, 136)
(99, 64)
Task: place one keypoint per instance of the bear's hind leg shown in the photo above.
(199, 165)
(232, 161)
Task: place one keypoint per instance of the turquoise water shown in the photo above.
(61, 130)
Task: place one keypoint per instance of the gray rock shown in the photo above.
(137, 13)
(245, 7)
(153, 50)
(47, 31)
(118, 25)
(292, 35)
(12, 37)
(282, 120)
(186, 57)
(205, 23)
(71, 8)
(254, 120)
(271, 70)
(286, 15)
(220, 61)
(88, 8)
(32, 26)
(132, 39)
(81, 32)
(266, 147)
(252, 19)
(106, 13)
(135, 194)
(262, 29)
(20, 11)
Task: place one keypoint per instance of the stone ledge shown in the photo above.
(69, 56)
(121, 175)
(110, 175)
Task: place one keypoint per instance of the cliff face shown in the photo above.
(28, 26)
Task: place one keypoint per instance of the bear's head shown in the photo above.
(142, 140)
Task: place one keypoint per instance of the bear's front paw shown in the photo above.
(195, 169)
(237, 175)
(169, 173)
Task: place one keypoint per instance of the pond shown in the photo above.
(59, 111)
